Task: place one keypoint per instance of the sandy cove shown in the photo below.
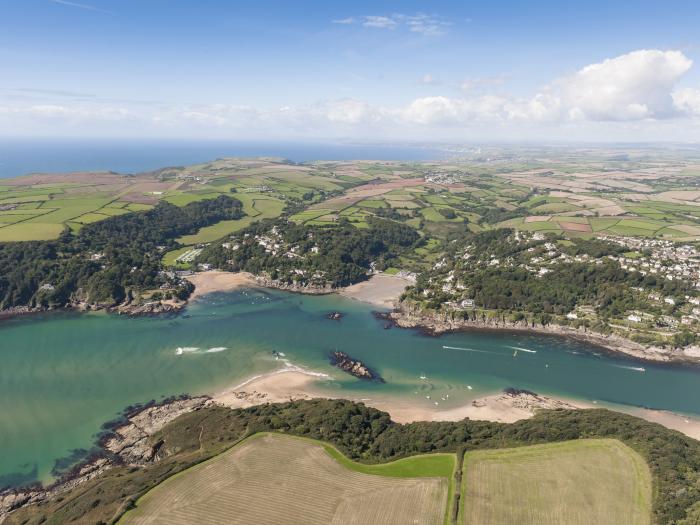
(289, 384)
(218, 281)
(380, 290)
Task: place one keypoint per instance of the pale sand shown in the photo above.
(292, 383)
(380, 290)
(218, 281)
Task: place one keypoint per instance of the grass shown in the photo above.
(272, 478)
(26, 231)
(587, 481)
(169, 259)
(259, 208)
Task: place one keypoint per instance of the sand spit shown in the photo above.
(290, 384)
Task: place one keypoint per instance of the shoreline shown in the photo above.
(127, 441)
(212, 281)
(613, 344)
(294, 383)
(383, 291)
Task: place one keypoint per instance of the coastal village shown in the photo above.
(652, 315)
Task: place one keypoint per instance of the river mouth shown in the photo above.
(64, 375)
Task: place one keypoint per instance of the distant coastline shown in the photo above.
(21, 157)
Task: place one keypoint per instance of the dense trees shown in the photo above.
(106, 259)
(368, 435)
(512, 284)
(337, 255)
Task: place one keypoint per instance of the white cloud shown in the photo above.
(425, 24)
(632, 89)
(380, 22)
(687, 101)
(634, 86)
(349, 111)
(421, 23)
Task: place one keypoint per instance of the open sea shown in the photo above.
(19, 157)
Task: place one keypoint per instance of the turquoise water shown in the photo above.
(63, 375)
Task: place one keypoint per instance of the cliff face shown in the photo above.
(409, 316)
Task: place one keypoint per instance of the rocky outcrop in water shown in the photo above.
(307, 288)
(125, 441)
(353, 367)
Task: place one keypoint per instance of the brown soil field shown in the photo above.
(538, 218)
(574, 227)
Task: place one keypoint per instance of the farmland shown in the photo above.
(579, 196)
(271, 478)
(276, 479)
(576, 482)
(197, 463)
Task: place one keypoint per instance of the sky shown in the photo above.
(461, 71)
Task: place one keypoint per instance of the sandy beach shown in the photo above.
(380, 290)
(218, 281)
(293, 383)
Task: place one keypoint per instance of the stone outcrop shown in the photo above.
(353, 367)
(127, 443)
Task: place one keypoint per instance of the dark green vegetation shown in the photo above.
(368, 435)
(516, 276)
(338, 255)
(106, 261)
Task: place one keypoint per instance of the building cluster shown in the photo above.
(662, 258)
(441, 177)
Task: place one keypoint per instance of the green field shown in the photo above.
(598, 481)
(259, 209)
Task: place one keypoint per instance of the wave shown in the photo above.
(288, 367)
(215, 350)
(521, 349)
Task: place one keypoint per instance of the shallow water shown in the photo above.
(63, 375)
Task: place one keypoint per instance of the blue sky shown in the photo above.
(365, 70)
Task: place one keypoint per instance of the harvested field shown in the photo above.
(597, 481)
(574, 226)
(274, 479)
(538, 218)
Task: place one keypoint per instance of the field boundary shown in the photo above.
(376, 469)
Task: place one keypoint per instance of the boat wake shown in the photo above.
(182, 350)
(466, 349)
(521, 349)
(633, 368)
